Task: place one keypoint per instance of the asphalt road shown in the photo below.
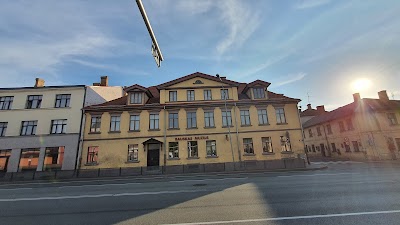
(348, 193)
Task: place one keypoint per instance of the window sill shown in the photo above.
(27, 134)
(249, 154)
(191, 128)
(192, 158)
(62, 107)
(154, 129)
(94, 133)
(211, 156)
(268, 153)
(287, 152)
(174, 159)
(114, 132)
(91, 164)
(133, 131)
(281, 123)
(127, 162)
(246, 125)
(226, 126)
(209, 127)
(263, 124)
(173, 128)
(55, 134)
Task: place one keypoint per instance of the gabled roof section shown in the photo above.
(380, 105)
(258, 83)
(338, 113)
(116, 102)
(137, 87)
(194, 75)
(310, 112)
(272, 95)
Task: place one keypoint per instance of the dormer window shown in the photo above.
(258, 93)
(136, 98)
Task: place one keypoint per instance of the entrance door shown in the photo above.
(153, 155)
(323, 150)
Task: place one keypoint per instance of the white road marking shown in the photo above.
(229, 178)
(318, 174)
(290, 218)
(15, 189)
(99, 195)
(336, 162)
(97, 185)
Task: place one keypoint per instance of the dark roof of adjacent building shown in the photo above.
(365, 104)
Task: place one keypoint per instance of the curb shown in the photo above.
(149, 177)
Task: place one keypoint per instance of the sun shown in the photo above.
(361, 84)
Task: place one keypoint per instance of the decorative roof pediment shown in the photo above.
(198, 78)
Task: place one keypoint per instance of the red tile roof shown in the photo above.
(197, 74)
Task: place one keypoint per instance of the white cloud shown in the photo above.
(265, 65)
(290, 79)
(306, 4)
(241, 22)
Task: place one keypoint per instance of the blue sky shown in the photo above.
(303, 47)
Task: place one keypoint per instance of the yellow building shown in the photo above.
(366, 129)
(187, 121)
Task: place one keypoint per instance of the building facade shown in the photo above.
(366, 129)
(195, 119)
(40, 126)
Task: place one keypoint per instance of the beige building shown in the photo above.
(195, 119)
(40, 126)
(366, 129)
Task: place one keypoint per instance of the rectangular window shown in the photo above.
(355, 146)
(267, 145)
(258, 93)
(226, 118)
(211, 148)
(329, 128)
(154, 121)
(6, 102)
(62, 101)
(136, 98)
(224, 94)
(173, 150)
(191, 120)
(319, 131)
(248, 145)
(347, 147)
(134, 124)
(341, 126)
(349, 124)
(3, 128)
(207, 95)
(209, 119)
(34, 101)
(192, 149)
(280, 115)
(133, 153)
(4, 156)
(262, 116)
(333, 147)
(28, 127)
(310, 133)
(29, 159)
(58, 126)
(92, 156)
(173, 120)
(397, 140)
(245, 117)
(115, 123)
(173, 96)
(392, 119)
(285, 144)
(95, 124)
(53, 158)
(313, 148)
(190, 95)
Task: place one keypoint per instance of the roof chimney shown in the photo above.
(356, 97)
(104, 81)
(39, 82)
(308, 106)
(321, 109)
(383, 95)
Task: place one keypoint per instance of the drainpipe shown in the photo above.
(165, 139)
(237, 134)
(80, 141)
(302, 135)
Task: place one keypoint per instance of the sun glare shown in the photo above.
(361, 84)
